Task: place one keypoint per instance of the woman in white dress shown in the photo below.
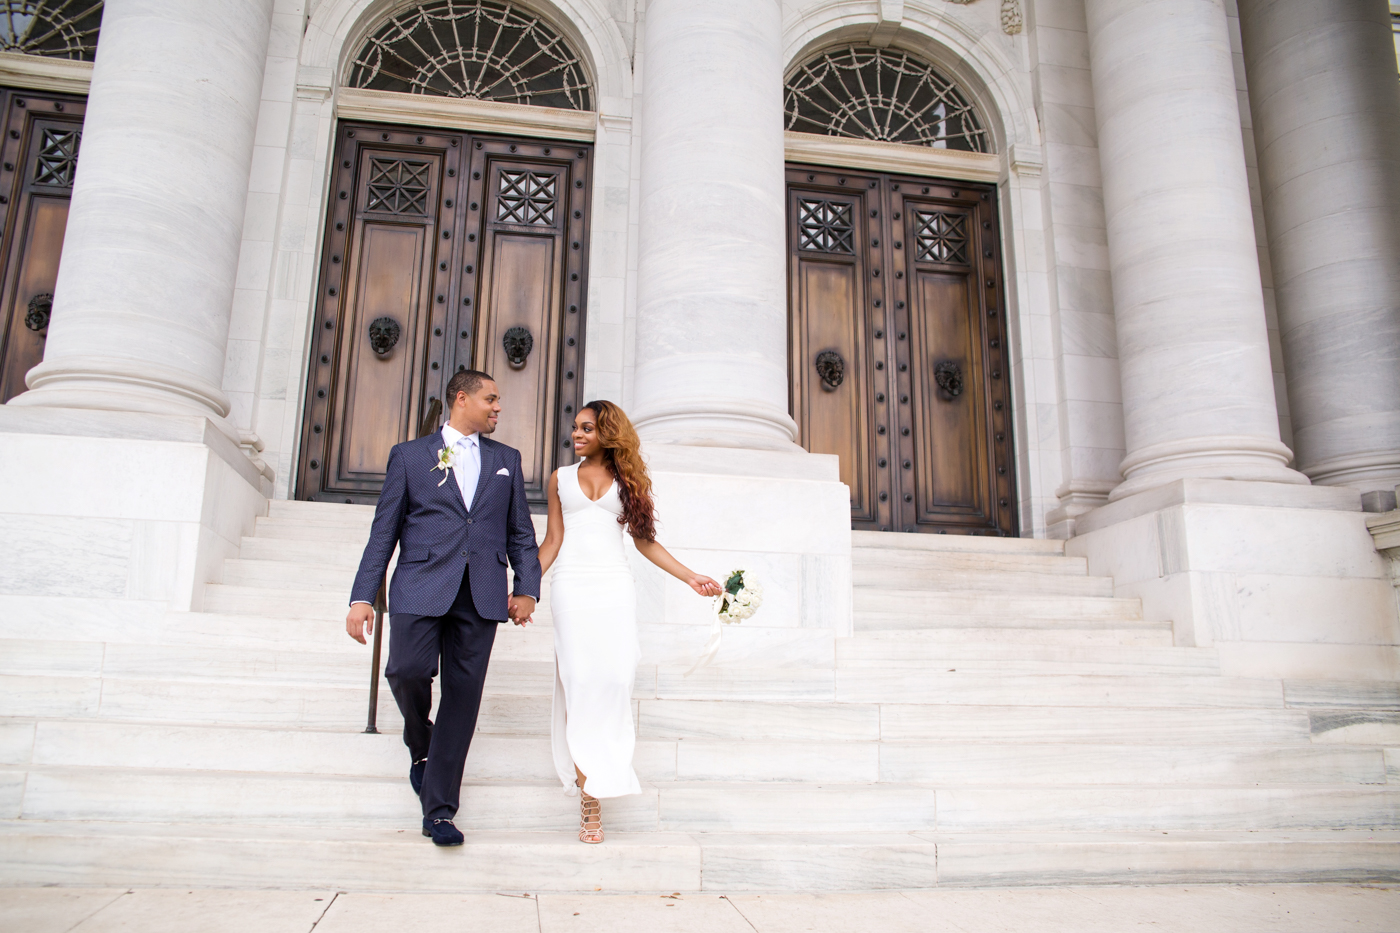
(594, 604)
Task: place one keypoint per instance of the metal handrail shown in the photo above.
(380, 605)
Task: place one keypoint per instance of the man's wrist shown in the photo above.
(361, 602)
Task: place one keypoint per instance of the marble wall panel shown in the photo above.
(61, 556)
(16, 742)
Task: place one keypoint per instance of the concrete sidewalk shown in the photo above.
(1195, 909)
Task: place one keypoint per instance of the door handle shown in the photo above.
(949, 379)
(384, 332)
(429, 423)
(831, 368)
(40, 310)
(517, 343)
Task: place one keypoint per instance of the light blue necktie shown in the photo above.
(470, 472)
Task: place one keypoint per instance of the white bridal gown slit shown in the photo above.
(594, 604)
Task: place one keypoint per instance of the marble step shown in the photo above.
(96, 744)
(992, 689)
(711, 806)
(296, 529)
(217, 854)
(877, 579)
(339, 660)
(1006, 607)
(868, 620)
(320, 511)
(894, 650)
(331, 553)
(873, 558)
(975, 632)
(308, 576)
(899, 541)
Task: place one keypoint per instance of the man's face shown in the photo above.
(477, 411)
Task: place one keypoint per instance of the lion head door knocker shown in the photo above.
(949, 379)
(383, 335)
(831, 368)
(40, 310)
(517, 343)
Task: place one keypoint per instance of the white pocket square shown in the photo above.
(503, 472)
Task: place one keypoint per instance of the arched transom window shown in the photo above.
(473, 48)
(55, 28)
(883, 94)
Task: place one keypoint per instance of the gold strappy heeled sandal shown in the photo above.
(590, 824)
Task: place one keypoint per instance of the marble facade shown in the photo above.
(1198, 405)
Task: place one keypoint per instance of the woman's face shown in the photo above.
(585, 434)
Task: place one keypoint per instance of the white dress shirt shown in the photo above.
(466, 460)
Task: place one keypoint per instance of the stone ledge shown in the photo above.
(1220, 492)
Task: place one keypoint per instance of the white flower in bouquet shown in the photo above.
(741, 597)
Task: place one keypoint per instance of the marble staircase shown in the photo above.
(998, 717)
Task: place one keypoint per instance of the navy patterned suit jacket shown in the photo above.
(438, 539)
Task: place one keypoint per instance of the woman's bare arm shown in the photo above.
(554, 529)
(658, 555)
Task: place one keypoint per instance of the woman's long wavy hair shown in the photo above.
(622, 452)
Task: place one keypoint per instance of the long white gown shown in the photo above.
(594, 603)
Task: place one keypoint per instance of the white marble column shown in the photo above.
(712, 267)
(1198, 397)
(145, 285)
(1326, 108)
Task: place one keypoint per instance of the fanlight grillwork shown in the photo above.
(54, 28)
(882, 94)
(473, 48)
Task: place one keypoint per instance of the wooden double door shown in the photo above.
(39, 145)
(444, 251)
(898, 351)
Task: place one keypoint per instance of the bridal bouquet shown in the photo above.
(741, 597)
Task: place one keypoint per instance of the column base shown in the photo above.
(786, 517)
(104, 507)
(102, 384)
(1243, 458)
(1284, 580)
(708, 423)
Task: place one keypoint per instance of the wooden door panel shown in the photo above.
(521, 285)
(833, 417)
(907, 283)
(41, 137)
(38, 245)
(951, 480)
(457, 238)
(380, 389)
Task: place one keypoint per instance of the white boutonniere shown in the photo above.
(444, 463)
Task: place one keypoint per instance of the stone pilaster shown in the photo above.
(712, 288)
(1198, 396)
(1326, 109)
(145, 286)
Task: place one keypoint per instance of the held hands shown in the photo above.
(704, 585)
(521, 609)
(359, 621)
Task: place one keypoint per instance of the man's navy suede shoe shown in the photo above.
(415, 775)
(442, 832)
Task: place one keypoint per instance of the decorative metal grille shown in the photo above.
(940, 237)
(55, 28)
(824, 227)
(398, 186)
(473, 48)
(527, 198)
(58, 158)
(882, 94)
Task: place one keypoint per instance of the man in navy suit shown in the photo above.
(454, 503)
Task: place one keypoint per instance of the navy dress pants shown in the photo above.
(462, 640)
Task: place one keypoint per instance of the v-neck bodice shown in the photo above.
(592, 536)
